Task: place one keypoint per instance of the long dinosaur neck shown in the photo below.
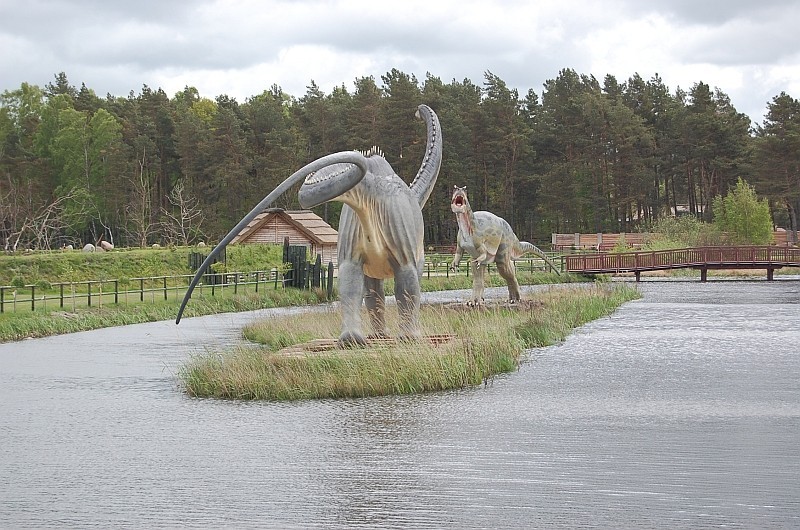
(423, 183)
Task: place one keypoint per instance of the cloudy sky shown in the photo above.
(748, 49)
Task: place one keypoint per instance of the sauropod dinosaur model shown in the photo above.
(380, 230)
(488, 238)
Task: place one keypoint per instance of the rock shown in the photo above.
(88, 248)
(105, 245)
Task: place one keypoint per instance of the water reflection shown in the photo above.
(680, 410)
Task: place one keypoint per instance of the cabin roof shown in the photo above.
(306, 221)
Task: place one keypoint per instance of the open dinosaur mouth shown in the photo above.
(458, 201)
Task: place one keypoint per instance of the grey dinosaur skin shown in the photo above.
(380, 230)
(488, 238)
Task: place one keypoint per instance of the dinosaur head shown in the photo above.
(459, 203)
(331, 181)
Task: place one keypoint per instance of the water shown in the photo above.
(680, 410)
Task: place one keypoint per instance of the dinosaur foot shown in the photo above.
(410, 337)
(349, 339)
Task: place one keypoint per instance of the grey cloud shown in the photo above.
(707, 12)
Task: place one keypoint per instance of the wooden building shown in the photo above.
(302, 227)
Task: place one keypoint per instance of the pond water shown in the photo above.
(680, 410)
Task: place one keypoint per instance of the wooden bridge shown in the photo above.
(701, 258)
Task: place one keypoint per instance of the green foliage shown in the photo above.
(582, 156)
(743, 216)
(682, 232)
(254, 257)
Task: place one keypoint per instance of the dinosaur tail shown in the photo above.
(423, 183)
(530, 247)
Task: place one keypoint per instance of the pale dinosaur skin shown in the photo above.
(380, 230)
(488, 238)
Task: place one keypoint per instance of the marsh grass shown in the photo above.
(488, 342)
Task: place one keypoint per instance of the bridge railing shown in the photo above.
(684, 258)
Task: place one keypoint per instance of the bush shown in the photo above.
(742, 216)
(682, 232)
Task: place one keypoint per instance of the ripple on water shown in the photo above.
(680, 410)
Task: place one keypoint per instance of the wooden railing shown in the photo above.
(96, 293)
(702, 258)
(604, 242)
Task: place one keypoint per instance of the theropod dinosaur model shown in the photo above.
(488, 238)
(380, 230)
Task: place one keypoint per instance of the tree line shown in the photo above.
(585, 157)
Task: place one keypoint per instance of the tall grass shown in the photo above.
(487, 342)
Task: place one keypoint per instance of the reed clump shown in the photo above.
(485, 342)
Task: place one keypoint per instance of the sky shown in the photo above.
(748, 49)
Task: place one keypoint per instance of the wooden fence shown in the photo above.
(96, 293)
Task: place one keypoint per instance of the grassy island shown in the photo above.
(485, 342)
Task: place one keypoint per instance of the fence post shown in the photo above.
(89, 293)
(330, 280)
(165, 287)
(236, 283)
(116, 292)
(2, 299)
(316, 279)
(33, 298)
(61, 296)
(141, 289)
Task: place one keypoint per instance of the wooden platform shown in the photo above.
(329, 345)
(493, 305)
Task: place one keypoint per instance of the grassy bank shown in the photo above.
(76, 266)
(17, 325)
(488, 342)
(22, 325)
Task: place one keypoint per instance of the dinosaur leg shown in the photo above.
(407, 294)
(484, 256)
(507, 270)
(478, 275)
(351, 294)
(376, 305)
(457, 258)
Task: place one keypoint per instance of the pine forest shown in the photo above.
(580, 155)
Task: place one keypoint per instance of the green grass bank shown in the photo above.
(76, 266)
(53, 320)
